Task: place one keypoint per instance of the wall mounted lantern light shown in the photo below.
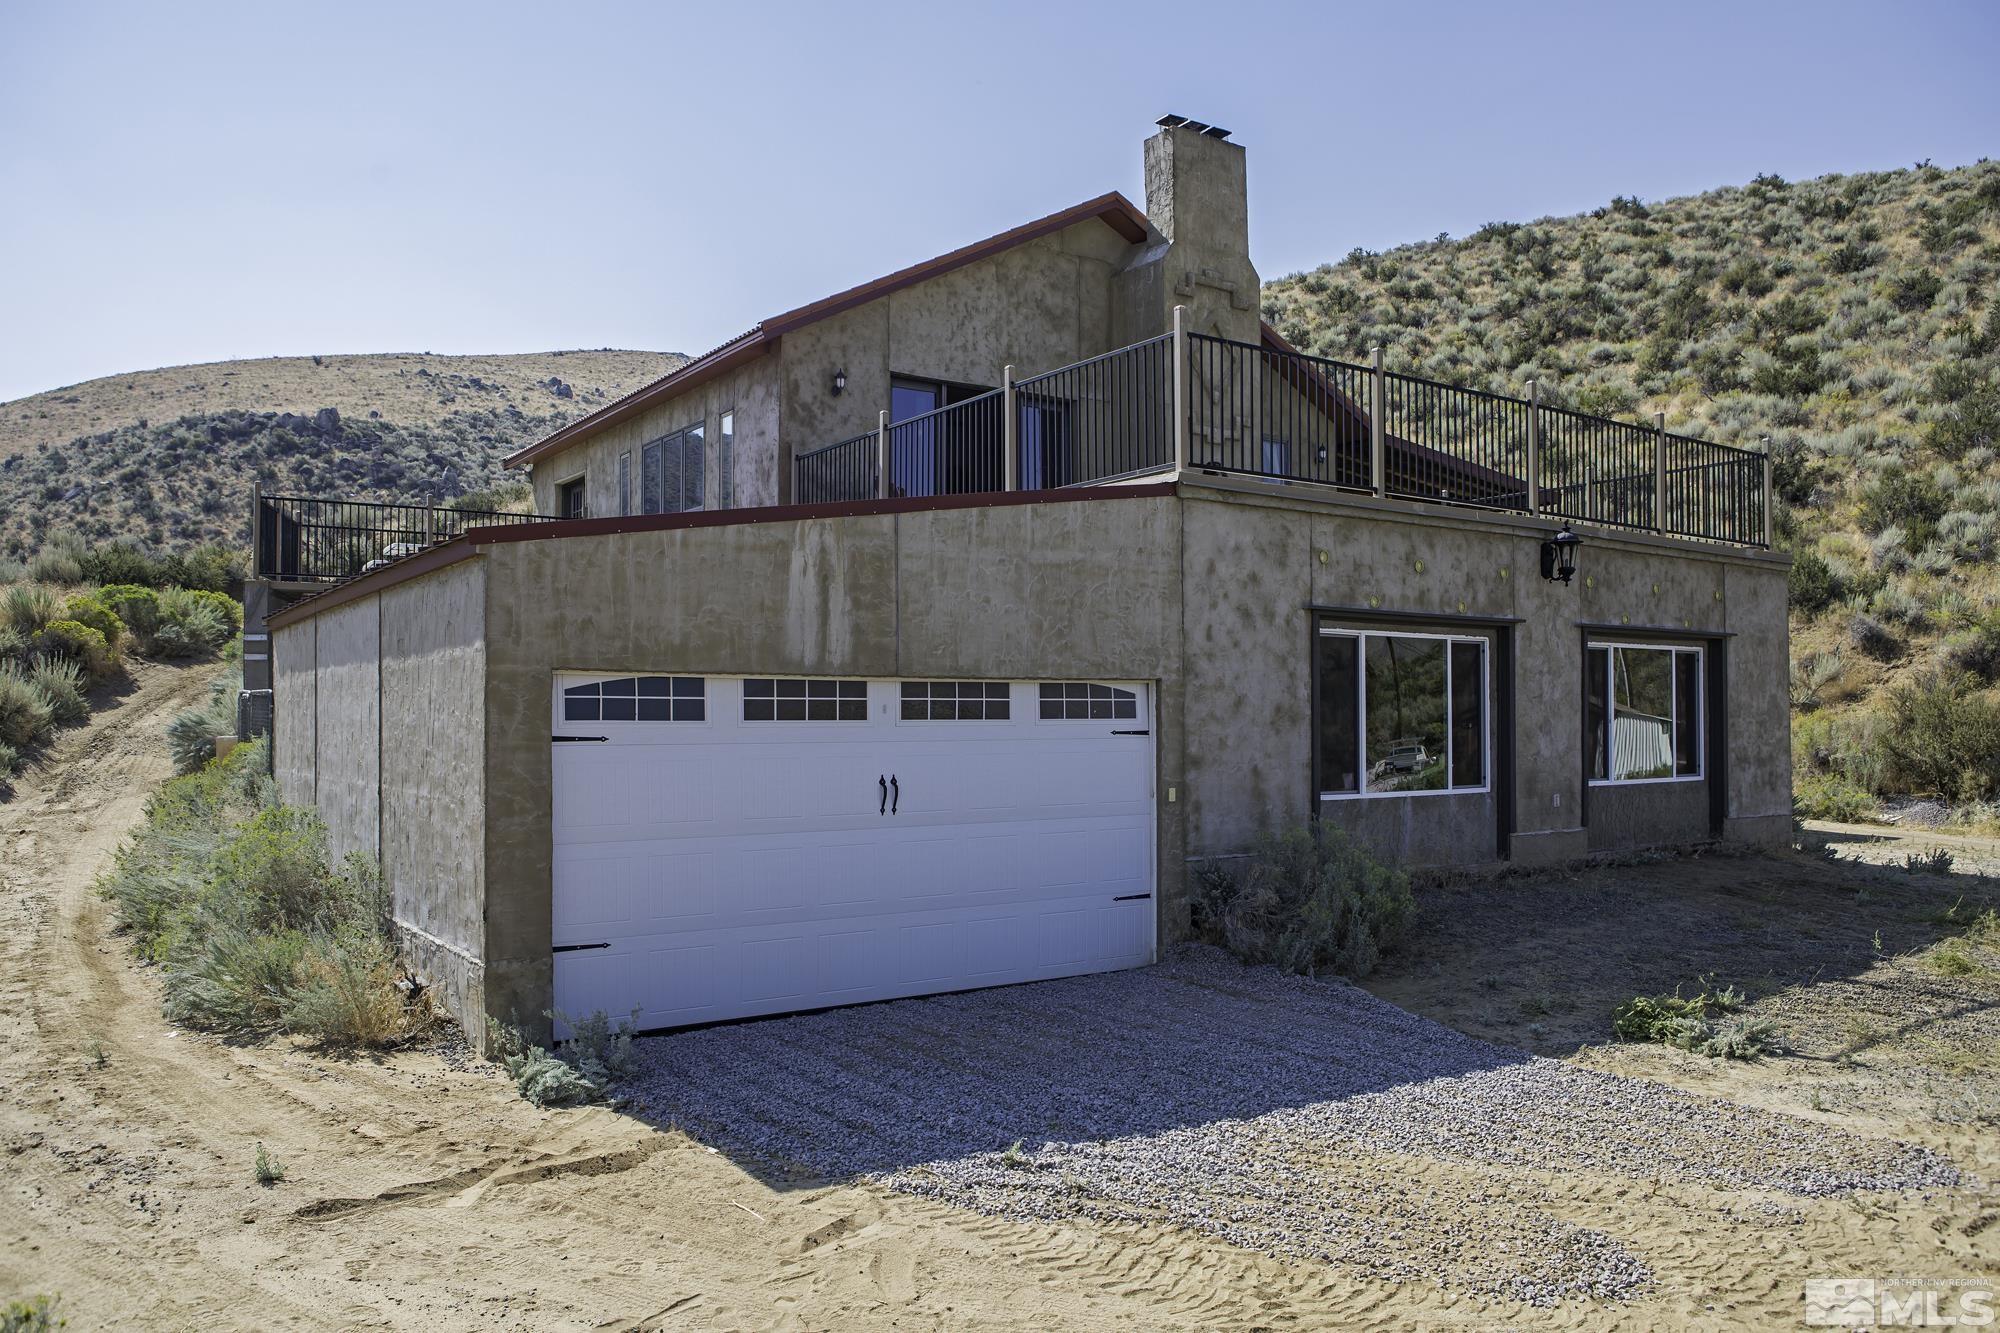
(839, 382)
(1559, 556)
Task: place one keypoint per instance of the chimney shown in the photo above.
(1196, 196)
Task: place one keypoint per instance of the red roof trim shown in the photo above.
(467, 545)
(1113, 209)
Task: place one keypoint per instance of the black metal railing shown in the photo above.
(1109, 416)
(958, 449)
(846, 470)
(1256, 410)
(1463, 446)
(1282, 415)
(325, 541)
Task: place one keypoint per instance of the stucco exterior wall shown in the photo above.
(1257, 559)
(348, 695)
(434, 650)
(1037, 306)
(1083, 589)
(295, 712)
(751, 392)
(380, 724)
(1214, 595)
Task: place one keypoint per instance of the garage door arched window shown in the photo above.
(637, 699)
(1081, 702)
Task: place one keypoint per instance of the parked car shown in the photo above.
(1403, 757)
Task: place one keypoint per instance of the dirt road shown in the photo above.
(421, 1193)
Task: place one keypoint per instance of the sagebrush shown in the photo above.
(1306, 900)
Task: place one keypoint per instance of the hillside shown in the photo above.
(1853, 320)
(168, 456)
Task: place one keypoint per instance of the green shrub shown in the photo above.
(79, 644)
(211, 567)
(1942, 738)
(191, 738)
(36, 1314)
(120, 562)
(10, 761)
(88, 610)
(344, 991)
(255, 932)
(15, 646)
(266, 1169)
(62, 684)
(1829, 796)
(138, 608)
(190, 624)
(228, 608)
(1812, 583)
(27, 608)
(26, 715)
(58, 565)
(1306, 900)
(580, 1071)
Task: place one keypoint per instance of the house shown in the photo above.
(923, 637)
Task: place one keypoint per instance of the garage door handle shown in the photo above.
(895, 794)
(579, 738)
(1140, 732)
(579, 948)
(883, 783)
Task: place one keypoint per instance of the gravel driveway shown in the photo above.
(1296, 1117)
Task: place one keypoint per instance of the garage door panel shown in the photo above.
(730, 869)
(775, 968)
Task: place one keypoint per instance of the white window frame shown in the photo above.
(1485, 646)
(725, 461)
(580, 479)
(1700, 654)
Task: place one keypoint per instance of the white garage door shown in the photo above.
(727, 847)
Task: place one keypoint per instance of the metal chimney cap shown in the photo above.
(1173, 122)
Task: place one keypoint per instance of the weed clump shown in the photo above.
(576, 1072)
(1306, 900)
(1695, 1024)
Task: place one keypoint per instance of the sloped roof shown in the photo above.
(1113, 209)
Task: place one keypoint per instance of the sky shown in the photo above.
(197, 182)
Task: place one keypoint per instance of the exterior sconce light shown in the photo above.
(1559, 556)
(839, 382)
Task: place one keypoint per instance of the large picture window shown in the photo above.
(671, 471)
(1401, 714)
(1643, 712)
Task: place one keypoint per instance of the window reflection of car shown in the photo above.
(1403, 757)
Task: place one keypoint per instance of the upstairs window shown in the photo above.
(625, 483)
(805, 700)
(1643, 710)
(725, 460)
(1401, 714)
(638, 699)
(671, 471)
(569, 499)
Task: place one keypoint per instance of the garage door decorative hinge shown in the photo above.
(579, 738)
(1140, 732)
(578, 948)
(1131, 897)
